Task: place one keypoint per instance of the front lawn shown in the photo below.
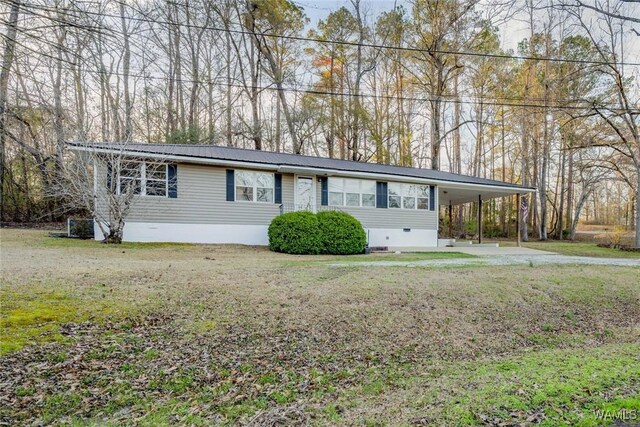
(202, 334)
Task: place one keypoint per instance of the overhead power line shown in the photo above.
(447, 99)
(444, 98)
(520, 102)
(335, 42)
(496, 100)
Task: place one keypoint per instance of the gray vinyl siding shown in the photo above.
(202, 200)
(388, 218)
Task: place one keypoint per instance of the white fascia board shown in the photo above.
(311, 170)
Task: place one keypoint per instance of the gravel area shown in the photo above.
(502, 260)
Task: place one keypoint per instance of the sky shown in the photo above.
(511, 33)
(319, 9)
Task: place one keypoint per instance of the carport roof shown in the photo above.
(464, 188)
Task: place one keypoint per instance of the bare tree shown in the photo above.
(589, 174)
(263, 19)
(621, 114)
(435, 25)
(106, 181)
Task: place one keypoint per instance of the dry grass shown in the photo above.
(200, 334)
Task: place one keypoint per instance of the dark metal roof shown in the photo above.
(206, 151)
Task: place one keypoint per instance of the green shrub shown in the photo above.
(295, 233)
(341, 233)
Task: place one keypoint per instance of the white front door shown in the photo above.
(305, 194)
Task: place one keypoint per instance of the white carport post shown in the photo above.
(450, 220)
(479, 218)
(518, 218)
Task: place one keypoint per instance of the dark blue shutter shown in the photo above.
(324, 193)
(110, 183)
(432, 198)
(230, 185)
(381, 195)
(277, 198)
(172, 177)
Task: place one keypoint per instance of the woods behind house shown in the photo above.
(425, 84)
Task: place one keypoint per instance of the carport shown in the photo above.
(453, 194)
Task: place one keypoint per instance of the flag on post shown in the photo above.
(525, 208)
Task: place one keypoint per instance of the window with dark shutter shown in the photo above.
(278, 187)
(432, 198)
(381, 195)
(324, 193)
(230, 185)
(172, 179)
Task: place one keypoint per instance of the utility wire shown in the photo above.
(544, 104)
(340, 42)
(106, 73)
(587, 104)
(314, 89)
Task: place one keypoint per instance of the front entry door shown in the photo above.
(305, 194)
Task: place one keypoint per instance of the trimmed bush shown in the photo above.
(295, 233)
(341, 233)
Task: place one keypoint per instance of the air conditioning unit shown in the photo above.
(80, 228)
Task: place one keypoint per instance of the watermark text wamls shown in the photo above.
(618, 414)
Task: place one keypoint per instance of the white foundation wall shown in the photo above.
(394, 238)
(193, 233)
(257, 234)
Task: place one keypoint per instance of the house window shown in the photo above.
(155, 179)
(408, 196)
(130, 178)
(143, 178)
(352, 192)
(254, 186)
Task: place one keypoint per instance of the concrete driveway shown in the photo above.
(486, 256)
(479, 250)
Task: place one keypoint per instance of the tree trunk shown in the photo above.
(524, 232)
(563, 160)
(637, 239)
(177, 41)
(170, 126)
(278, 135)
(576, 215)
(126, 65)
(457, 114)
(228, 89)
(436, 110)
(503, 158)
(331, 138)
(58, 111)
(7, 62)
(254, 97)
(357, 108)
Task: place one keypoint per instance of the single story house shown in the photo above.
(215, 194)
